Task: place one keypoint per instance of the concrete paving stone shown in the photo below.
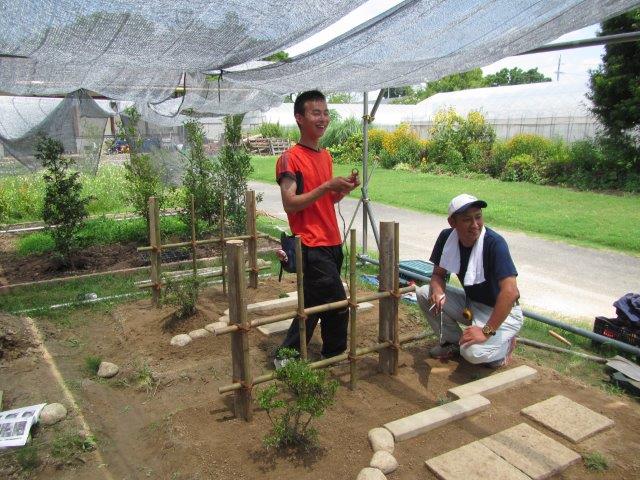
(473, 461)
(414, 425)
(283, 326)
(529, 450)
(569, 419)
(496, 382)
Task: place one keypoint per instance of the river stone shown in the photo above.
(369, 473)
(199, 333)
(381, 439)
(107, 370)
(52, 413)
(181, 340)
(384, 461)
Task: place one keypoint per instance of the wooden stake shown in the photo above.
(386, 360)
(250, 204)
(156, 259)
(302, 317)
(193, 235)
(557, 336)
(222, 256)
(396, 299)
(353, 309)
(240, 338)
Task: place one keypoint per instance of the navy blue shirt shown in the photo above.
(496, 260)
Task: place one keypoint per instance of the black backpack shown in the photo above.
(288, 244)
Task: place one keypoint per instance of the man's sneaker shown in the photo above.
(280, 362)
(445, 352)
(503, 362)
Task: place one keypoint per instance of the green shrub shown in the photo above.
(271, 130)
(307, 394)
(376, 137)
(339, 131)
(521, 168)
(291, 133)
(348, 152)
(182, 293)
(400, 146)
(65, 209)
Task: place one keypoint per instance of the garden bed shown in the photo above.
(179, 427)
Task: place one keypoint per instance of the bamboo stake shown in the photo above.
(201, 242)
(330, 361)
(559, 337)
(353, 315)
(156, 248)
(311, 310)
(222, 256)
(300, 313)
(250, 205)
(202, 275)
(240, 338)
(193, 235)
(386, 284)
(395, 299)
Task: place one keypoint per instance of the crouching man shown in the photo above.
(489, 304)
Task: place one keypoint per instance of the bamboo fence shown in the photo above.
(156, 247)
(389, 295)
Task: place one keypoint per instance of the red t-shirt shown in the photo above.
(316, 224)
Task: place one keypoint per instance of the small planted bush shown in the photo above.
(65, 209)
(299, 396)
(182, 293)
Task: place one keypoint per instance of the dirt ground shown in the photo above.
(16, 268)
(183, 429)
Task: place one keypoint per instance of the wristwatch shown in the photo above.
(488, 331)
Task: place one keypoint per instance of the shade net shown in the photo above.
(76, 120)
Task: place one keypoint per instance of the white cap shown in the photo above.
(463, 201)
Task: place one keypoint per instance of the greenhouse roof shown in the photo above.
(141, 51)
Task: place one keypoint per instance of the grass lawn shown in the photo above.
(586, 218)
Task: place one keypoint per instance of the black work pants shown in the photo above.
(322, 284)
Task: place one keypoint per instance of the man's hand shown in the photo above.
(437, 301)
(340, 185)
(471, 336)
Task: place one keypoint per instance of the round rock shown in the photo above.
(181, 340)
(52, 413)
(384, 461)
(107, 370)
(199, 333)
(371, 474)
(381, 439)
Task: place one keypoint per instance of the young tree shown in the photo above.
(199, 178)
(144, 179)
(235, 168)
(615, 84)
(64, 208)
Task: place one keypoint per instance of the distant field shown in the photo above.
(585, 218)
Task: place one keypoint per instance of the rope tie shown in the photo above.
(352, 304)
(395, 294)
(246, 385)
(352, 358)
(243, 328)
(302, 316)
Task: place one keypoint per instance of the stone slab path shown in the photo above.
(529, 450)
(567, 418)
(496, 382)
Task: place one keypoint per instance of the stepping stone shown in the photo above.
(283, 326)
(567, 418)
(473, 461)
(414, 425)
(496, 382)
(536, 454)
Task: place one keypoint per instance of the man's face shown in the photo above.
(315, 120)
(468, 225)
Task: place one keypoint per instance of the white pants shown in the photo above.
(495, 348)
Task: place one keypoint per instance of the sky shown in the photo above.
(574, 67)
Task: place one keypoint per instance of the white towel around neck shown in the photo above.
(450, 259)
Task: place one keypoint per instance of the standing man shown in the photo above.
(489, 304)
(309, 191)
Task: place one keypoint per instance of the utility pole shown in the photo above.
(558, 72)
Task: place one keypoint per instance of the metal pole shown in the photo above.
(365, 157)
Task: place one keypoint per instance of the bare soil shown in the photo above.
(183, 429)
(16, 268)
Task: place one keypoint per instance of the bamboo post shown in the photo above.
(396, 297)
(222, 256)
(250, 204)
(353, 308)
(156, 246)
(193, 235)
(239, 338)
(387, 359)
(300, 315)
